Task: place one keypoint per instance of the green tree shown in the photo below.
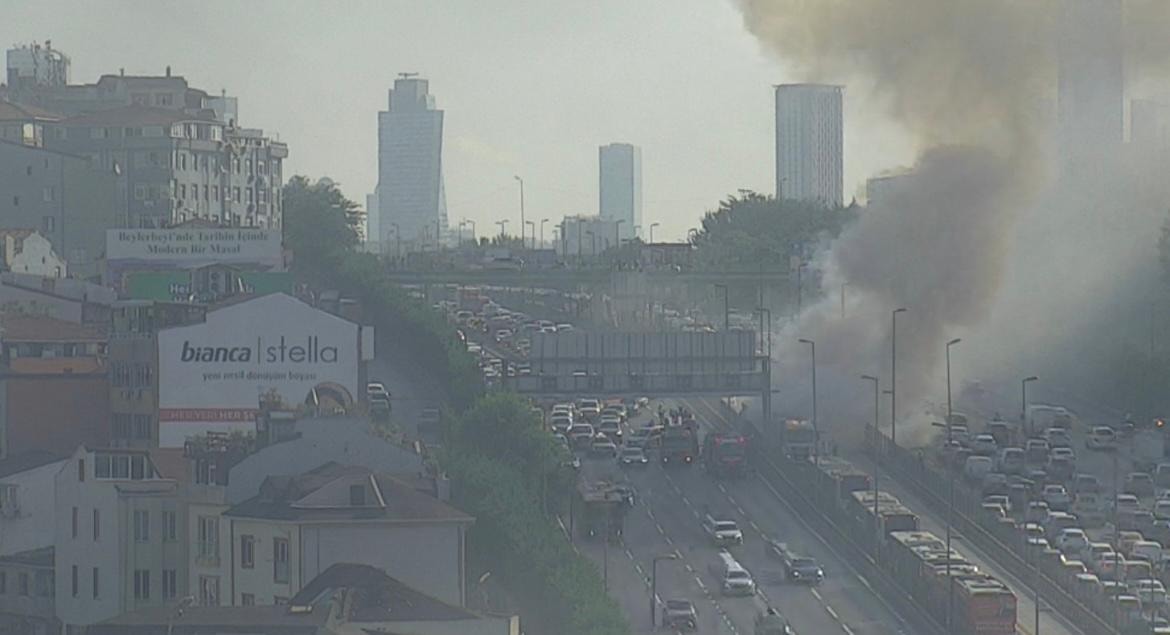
(320, 224)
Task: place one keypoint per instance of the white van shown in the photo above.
(733, 578)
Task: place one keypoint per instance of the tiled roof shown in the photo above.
(15, 327)
(24, 461)
(11, 111)
(377, 598)
(132, 116)
(42, 557)
(403, 503)
(171, 463)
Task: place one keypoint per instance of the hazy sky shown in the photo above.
(529, 88)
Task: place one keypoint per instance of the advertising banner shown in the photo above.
(186, 246)
(273, 349)
(175, 286)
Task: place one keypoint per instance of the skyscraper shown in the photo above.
(621, 186)
(810, 143)
(1091, 81)
(411, 198)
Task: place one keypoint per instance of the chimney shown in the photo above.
(168, 70)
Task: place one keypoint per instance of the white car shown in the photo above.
(1151, 592)
(1062, 452)
(1101, 438)
(1072, 541)
(1056, 497)
(984, 445)
(1058, 438)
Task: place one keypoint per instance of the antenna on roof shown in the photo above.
(407, 75)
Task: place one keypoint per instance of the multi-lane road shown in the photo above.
(667, 520)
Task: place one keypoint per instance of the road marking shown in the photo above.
(686, 501)
(701, 585)
(832, 613)
(756, 527)
(817, 595)
(658, 526)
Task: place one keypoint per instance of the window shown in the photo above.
(50, 224)
(209, 590)
(3, 582)
(247, 551)
(24, 588)
(137, 467)
(279, 600)
(170, 587)
(182, 190)
(74, 522)
(49, 194)
(208, 538)
(141, 525)
(169, 526)
(96, 582)
(247, 599)
(163, 99)
(215, 192)
(97, 524)
(142, 584)
(142, 427)
(206, 193)
(101, 462)
(121, 466)
(81, 470)
(74, 581)
(249, 193)
(236, 194)
(44, 584)
(9, 498)
(248, 166)
(280, 560)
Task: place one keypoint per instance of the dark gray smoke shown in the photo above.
(973, 83)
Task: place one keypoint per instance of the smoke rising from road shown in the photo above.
(972, 82)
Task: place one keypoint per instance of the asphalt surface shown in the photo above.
(667, 520)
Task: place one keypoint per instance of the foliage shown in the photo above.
(752, 230)
(320, 224)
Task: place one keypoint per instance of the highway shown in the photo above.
(666, 519)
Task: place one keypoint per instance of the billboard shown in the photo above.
(176, 285)
(213, 376)
(187, 246)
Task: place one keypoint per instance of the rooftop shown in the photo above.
(24, 461)
(322, 495)
(17, 327)
(11, 111)
(42, 557)
(379, 597)
(133, 116)
(17, 234)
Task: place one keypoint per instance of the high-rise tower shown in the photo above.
(620, 169)
(411, 199)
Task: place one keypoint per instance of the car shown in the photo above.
(1150, 592)
(1061, 452)
(679, 615)
(611, 426)
(804, 569)
(1101, 438)
(1058, 522)
(1098, 552)
(1072, 541)
(616, 409)
(1056, 497)
(1139, 484)
(638, 438)
(994, 510)
(1162, 509)
(1036, 451)
(602, 446)
(994, 483)
(560, 422)
(1141, 520)
(977, 467)
(983, 445)
(581, 434)
(1001, 500)
(379, 408)
(1034, 535)
(589, 408)
(503, 335)
(1086, 484)
(1126, 503)
(1060, 468)
(1011, 461)
(1057, 437)
(1037, 511)
(632, 455)
(377, 389)
(958, 432)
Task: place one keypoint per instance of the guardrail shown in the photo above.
(794, 481)
(1002, 542)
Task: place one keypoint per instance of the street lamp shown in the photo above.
(1024, 402)
(816, 430)
(800, 287)
(533, 226)
(502, 223)
(652, 226)
(766, 329)
(654, 582)
(617, 232)
(542, 222)
(472, 223)
(397, 241)
(951, 487)
(726, 307)
(521, 181)
(876, 460)
(894, 376)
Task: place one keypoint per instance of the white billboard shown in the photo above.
(195, 245)
(213, 375)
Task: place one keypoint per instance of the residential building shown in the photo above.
(24, 124)
(411, 198)
(810, 143)
(36, 65)
(27, 520)
(121, 542)
(299, 526)
(61, 298)
(1149, 126)
(1091, 80)
(27, 593)
(587, 236)
(27, 251)
(67, 198)
(344, 599)
(620, 187)
(53, 384)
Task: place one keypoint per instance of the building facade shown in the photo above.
(412, 206)
(27, 251)
(620, 186)
(587, 236)
(810, 144)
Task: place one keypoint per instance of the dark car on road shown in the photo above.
(679, 615)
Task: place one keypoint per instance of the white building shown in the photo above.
(27, 251)
(38, 65)
(620, 186)
(299, 526)
(120, 536)
(810, 143)
(411, 198)
(373, 232)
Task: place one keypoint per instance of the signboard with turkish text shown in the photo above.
(192, 245)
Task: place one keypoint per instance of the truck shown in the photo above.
(679, 445)
(799, 439)
(602, 508)
(725, 454)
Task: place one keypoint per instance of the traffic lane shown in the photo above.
(677, 517)
(410, 393)
(649, 535)
(844, 594)
(1025, 608)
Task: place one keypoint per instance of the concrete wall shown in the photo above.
(55, 412)
(259, 579)
(84, 551)
(33, 526)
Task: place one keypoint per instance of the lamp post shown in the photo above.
(726, 307)
(652, 226)
(472, 223)
(876, 460)
(951, 493)
(521, 181)
(502, 224)
(800, 287)
(397, 241)
(533, 226)
(459, 234)
(542, 222)
(1024, 402)
(816, 430)
(654, 582)
(617, 232)
(894, 376)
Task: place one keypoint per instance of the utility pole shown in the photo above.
(894, 377)
(521, 209)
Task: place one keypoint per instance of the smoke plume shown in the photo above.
(974, 84)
